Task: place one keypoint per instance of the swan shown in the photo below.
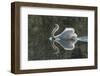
(67, 39)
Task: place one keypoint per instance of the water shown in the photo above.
(83, 39)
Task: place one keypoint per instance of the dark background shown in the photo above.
(39, 31)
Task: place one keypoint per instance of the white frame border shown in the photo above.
(25, 64)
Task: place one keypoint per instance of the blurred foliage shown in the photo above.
(39, 31)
